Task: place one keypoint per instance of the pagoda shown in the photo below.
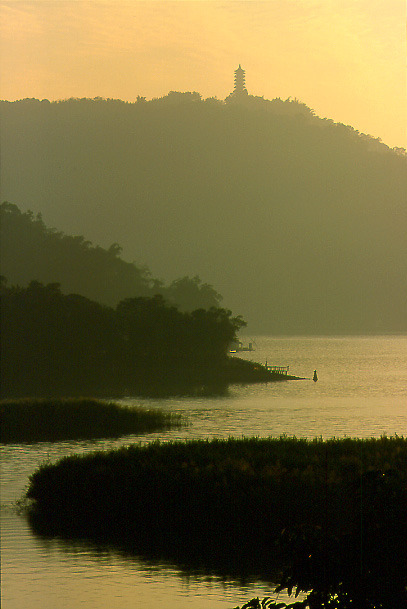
(240, 86)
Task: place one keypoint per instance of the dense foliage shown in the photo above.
(56, 344)
(327, 518)
(299, 221)
(32, 251)
(40, 420)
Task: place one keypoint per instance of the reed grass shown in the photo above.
(241, 489)
(52, 420)
(326, 516)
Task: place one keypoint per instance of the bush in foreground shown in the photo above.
(41, 420)
(328, 518)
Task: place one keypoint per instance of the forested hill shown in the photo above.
(55, 344)
(30, 251)
(298, 221)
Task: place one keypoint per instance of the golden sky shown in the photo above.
(346, 59)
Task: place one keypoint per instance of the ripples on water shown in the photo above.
(361, 392)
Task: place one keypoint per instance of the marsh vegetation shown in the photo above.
(324, 517)
(53, 420)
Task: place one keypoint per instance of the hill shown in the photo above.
(30, 251)
(299, 222)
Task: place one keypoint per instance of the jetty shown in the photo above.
(277, 369)
(280, 373)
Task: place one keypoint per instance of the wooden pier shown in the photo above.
(277, 369)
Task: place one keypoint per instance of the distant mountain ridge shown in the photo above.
(298, 221)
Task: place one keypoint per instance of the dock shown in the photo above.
(283, 370)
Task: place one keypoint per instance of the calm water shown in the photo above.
(362, 391)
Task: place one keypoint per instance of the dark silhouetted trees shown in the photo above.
(56, 344)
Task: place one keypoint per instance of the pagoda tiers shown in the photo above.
(240, 86)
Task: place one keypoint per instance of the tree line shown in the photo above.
(57, 344)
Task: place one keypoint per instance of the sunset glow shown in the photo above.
(343, 58)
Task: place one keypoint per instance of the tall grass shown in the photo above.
(327, 516)
(51, 420)
(245, 490)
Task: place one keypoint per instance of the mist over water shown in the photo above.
(361, 392)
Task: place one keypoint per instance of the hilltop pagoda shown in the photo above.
(240, 85)
(239, 93)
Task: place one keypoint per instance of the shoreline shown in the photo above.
(193, 381)
(33, 420)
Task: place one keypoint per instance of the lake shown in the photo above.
(361, 392)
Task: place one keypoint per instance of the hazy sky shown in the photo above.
(346, 59)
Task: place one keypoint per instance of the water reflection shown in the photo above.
(217, 560)
(362, 391)
(53, 572)
(149, 561)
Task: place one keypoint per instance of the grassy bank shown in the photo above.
(214, 378)
(42, 420)
(167, 380)
(310, 509)
(248, 486)
(238, 370)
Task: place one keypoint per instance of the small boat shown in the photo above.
(239, 346)
(315, 377)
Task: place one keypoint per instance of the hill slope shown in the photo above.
(298, 221)
(30, 251)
